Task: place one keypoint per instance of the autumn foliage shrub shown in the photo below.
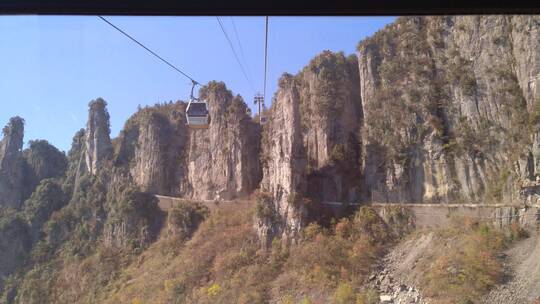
(223, 263)
(466, 264)
(335, 261)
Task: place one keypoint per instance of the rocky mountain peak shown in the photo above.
(12, 141)
(310, 146)
(223, 160)
(11, 169)
(98, 145)
(165, 156)
(152, 146)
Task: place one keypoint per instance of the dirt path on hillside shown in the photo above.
(522, 269)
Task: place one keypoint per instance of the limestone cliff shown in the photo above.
(98, 145)
(440, 109)
(223, 160)
(331, 114)
(284, 167)
(11, 164)
(167, 157)
(152, 145)
(450, 108)
(310, 147)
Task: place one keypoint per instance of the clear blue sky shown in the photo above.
(52, 66)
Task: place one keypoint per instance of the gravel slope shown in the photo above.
(397, 279)
(522, 267)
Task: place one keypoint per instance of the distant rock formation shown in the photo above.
(310, 146)
(166, 157)
(152, 145)
(42, 161)
(223, 160)
(11, 164)
(98, 145)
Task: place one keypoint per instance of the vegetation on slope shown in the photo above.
(463, 262)
(223, 263)
(203, 257)
(77, 246)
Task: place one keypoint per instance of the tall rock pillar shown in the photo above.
(11, 164)
(284, 168)
(98, 145)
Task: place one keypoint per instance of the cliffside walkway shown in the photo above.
(167, 202)
(425, 215)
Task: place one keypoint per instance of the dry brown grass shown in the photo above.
(464, 262)
(212, 267)
(222, 263)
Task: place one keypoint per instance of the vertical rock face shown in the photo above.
(330, 112)
(284, 165)
(448, 112)
(98, 145)
(166, 157)
(11, 164)
(450, 108)
(152, 144)
(222, 161)
(310, 146)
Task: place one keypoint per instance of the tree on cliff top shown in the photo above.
(16, 122)
(100, 105)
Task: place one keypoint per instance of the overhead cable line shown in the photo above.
(149, 50)
(240, 47)
(265, 56)
(234, 52)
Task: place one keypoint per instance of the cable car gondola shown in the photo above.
(197, 115)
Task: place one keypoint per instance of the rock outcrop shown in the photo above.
(75, 162)
(449, 108)
(167, 157)
(223, 160)
(11, 164)
(310, 147)
(331, 115)
(284, 167)
(98, 147)
(152, 144)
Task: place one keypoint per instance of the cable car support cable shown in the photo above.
(265, 56)
(240, 47)
(197, 114)
(149, 50)
(234, 52)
